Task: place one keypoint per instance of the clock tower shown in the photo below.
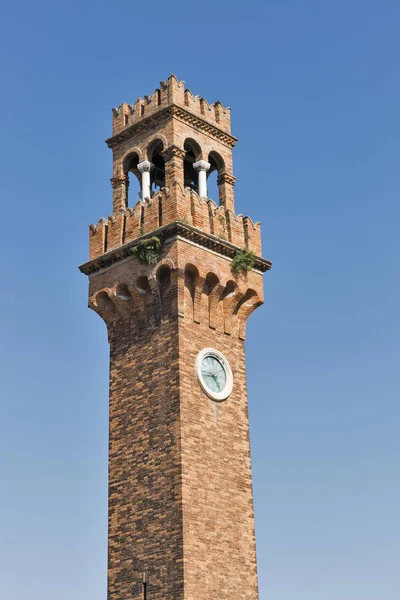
(175, 276)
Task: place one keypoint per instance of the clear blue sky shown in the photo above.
(314, 89)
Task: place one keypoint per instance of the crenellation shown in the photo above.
(219, 222)
(200, 213)
(176, 91)
(164, 208)
(97, 238)
(171, 92)
(252, 234)
(151, 214)
(134, 219)
(235, 228)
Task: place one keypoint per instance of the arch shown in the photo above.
(191, 277)
(216, 161)
(164, 282)
(212, 291)
(129, 165)
(156, 140)
(122, 291)
(103, 305)
(104, 302)
(126, 158)
(122, 298)
(246, 306)
(231, 296)
(164, 261)
(249, 295)
(217, 167)
(192, 154)
(143, 285)
(190, 145)
(155, 155)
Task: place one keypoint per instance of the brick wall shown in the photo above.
(180, 495)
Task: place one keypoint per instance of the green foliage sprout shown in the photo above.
(148, 251)
(242, 262)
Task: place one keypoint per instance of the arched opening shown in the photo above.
(142, 284)
(157, 174)
(191, 276)
(210, 283)
(229, 290)
(211, 295)
(164, 280)
(217, 166)
(131, 171)
(105, 304)
(193, 153)
(122, 291)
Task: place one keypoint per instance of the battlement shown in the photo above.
(159, 210)
(171, 92)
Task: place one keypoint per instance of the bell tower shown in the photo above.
(175, 276)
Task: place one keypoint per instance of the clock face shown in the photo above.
(214, 374)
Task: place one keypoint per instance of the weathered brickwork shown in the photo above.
(127, 225)
(181, 522)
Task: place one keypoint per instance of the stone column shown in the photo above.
(144, 168)
(201, 166)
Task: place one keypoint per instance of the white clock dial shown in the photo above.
(214, 374)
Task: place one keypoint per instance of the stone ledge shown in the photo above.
(165, 233)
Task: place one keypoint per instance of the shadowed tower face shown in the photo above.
(181, 524)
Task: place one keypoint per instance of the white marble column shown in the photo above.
(201, 166)
(144, 168)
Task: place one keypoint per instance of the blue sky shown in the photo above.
(314, 90)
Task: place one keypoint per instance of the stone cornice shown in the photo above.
(203, 125)
(165, 233)
(172, 111)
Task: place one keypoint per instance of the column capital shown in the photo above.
(145, 166)
(201, 165)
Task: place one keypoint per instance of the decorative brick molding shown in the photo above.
(142, 302)
(154, 213)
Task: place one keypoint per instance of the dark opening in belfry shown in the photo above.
(157, 173)
(190, 176)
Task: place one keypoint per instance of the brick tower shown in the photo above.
(162, 277)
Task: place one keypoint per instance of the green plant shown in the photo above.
(182, 220)
(222, 221)
(242, 262)
(148, 251)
